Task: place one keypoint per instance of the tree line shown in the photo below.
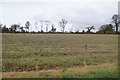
(106, 28)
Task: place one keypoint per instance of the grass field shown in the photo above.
(59, 55)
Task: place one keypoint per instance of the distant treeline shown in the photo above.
(106, 28)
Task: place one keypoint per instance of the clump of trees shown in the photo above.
(15, 28)
(107, 28)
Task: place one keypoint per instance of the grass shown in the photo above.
(23, 53)
(104, 74)
(96, 71)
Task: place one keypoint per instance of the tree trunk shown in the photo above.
(63, 29)
(116, 25)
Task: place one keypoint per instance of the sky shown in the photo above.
(79, 14)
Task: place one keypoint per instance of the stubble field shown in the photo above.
(59, 55)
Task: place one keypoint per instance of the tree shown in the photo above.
(27, 25)
(21, 29)
(0, 27)
(106, 28)
(89, 29)
(14, 27)
(41, 26)
(116, 21)
(83, 31)
(53, 29)
(5, 29)
(62, 24)
(47, 23)
(36, 24)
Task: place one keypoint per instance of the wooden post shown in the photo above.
(86, 46)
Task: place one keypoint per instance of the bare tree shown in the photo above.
(90, 28)
(27, 25)
(47, 24)
(41, 25)
(116, 21)
(62, 24)
(36, 25)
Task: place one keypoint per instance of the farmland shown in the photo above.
(59, 55)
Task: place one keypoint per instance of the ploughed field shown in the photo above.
(59, 55)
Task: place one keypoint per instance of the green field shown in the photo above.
(59, 55)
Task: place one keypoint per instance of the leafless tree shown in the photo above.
(62, 24)
(36, 25)
(27, 25)
(116, 21)
(90, 28)
(47, 24)
(41, 25)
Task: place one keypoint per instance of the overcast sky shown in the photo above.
(78, 13)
